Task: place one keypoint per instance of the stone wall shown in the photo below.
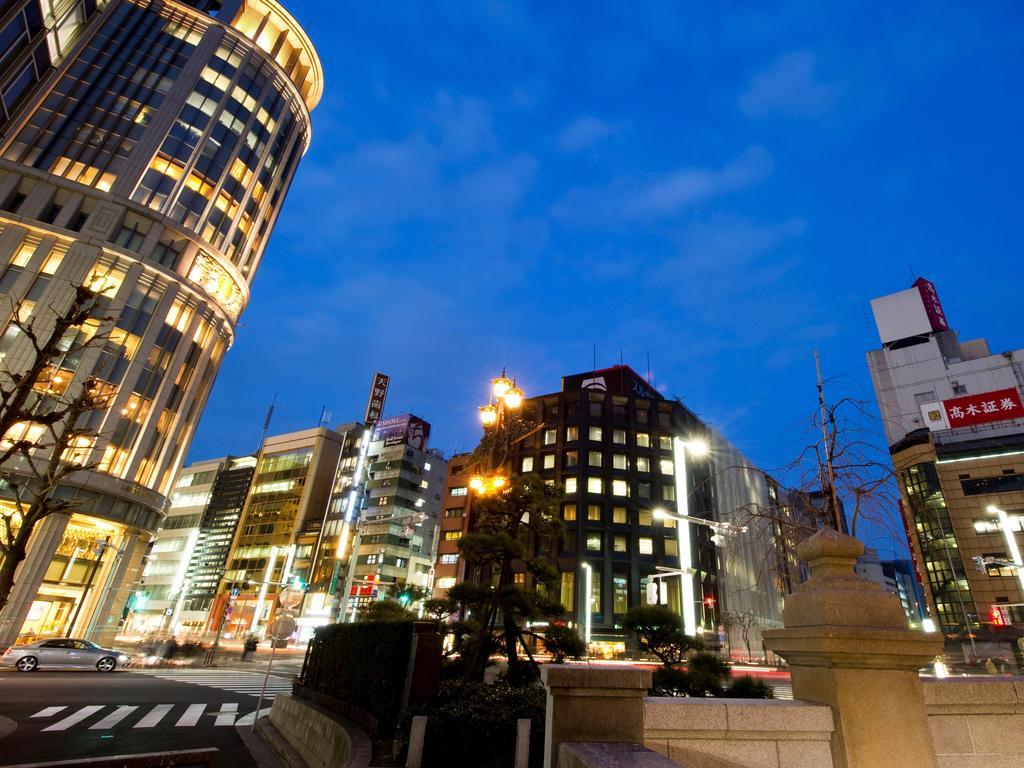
(321, 738)
(739, 733)
(977, 722)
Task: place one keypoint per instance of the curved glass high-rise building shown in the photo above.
(146, 148)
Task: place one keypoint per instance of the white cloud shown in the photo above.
(585, 132)
(789, 88)
(660, 196)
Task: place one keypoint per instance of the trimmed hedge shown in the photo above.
(362, 665)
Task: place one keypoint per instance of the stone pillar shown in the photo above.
(847, 643)
(111, 594)
(593, 704)
(45, 540)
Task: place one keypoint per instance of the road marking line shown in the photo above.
(156, 714)
(49, 711)
(191, 716)
(113, 718)
(77, 717)
(227, 714)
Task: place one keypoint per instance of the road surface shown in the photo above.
(68, 714)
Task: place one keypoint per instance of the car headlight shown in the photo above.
(122, 658)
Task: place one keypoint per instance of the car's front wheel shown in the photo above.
(27, 664)
(106, 664)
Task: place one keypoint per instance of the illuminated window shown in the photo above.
(572, 433)
(549, 437)
(643, 464)
(620, 544)
(594, 512)
(619, 515)
(527, 464)
(452, 535)
(643, 440)
(671, 548)
(449, 559)
(595, 485)
(645, 545)
(595, 434)
(646, 518)
(593, 542)
(667, 467)
(569, 512)
(594, 458)
(570, 485)
(567, 590)
(549, 461)
(620, 594)
(620, 461)
(619, 436)
(620, 488)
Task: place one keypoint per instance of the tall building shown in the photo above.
(896, 577)
(145, 150)
(217, 528)
(456, 511)
(752, 575)
(157, 604)
(396, 542)
(616, 449)
(953, 412)
(275, 543)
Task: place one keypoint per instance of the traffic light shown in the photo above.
(652, 592)
(404, 598)
(709, 602)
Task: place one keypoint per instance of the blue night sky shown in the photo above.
(723, 186)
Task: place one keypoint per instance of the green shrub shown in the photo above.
(363, 665)
(562, 642)
(747, 687)
(473, 725)
(705, 675)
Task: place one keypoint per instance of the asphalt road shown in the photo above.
(67, 714)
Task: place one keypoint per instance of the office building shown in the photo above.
(896, 577)
(145, 150)
(753, 570)
(396, 539)
(156, 605)
(617, 449)
(275, 544)
(456, 509)
(952, 413)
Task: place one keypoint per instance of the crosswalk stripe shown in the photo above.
(156, 714)
(49, 711)
(113, 718)
(72, 719)
(226, 715)
(192, 714)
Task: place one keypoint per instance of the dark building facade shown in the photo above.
(217, 531)
(146, 149)
(616, 449)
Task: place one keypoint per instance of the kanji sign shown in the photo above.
(378, 391)
(983, 408)
(932, 305)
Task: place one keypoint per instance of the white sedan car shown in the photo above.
(63, 653)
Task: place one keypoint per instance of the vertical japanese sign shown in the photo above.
(983, 408)
(932, 305)
(378, 391)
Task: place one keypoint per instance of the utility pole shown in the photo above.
(833, 498)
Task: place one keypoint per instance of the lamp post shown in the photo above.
(1011, 542)
(588, 602)
(680, 449)
(506, 399)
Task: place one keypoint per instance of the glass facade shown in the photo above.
(145, 151)
(944, 568)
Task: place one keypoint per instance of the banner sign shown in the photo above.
(983, 408)
(403, 430)
(375, 404)
(932, 305)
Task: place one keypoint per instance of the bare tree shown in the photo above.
(43, 440)
(745, 621)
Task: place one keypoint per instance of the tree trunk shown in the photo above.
(9, 565)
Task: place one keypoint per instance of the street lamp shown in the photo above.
(506, 398)
(588, 601)
(1011, 542)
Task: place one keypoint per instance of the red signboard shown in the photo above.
(983, 408)
(932, 305)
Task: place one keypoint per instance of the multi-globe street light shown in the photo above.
(505, 400)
